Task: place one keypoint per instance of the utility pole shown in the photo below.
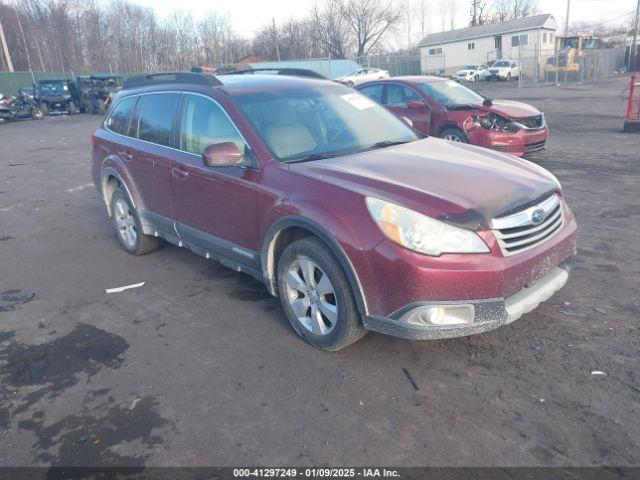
(5, 49)
(633, 51)
(275, 38)
(566, 22)
(474, 12)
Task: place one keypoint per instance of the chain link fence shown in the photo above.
(548, 66)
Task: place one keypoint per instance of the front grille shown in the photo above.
(531, 123)
(519, 231)
(494, 71)
(532, 147)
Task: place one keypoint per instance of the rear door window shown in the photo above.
(120, 118)
(157, 116)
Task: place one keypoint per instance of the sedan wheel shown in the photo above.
(311, 296)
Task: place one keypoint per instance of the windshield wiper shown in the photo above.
(387, 143)
(309, 158)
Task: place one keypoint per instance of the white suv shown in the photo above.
(471, 73)
(504, 70)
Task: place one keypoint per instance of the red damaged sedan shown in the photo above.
(447, 109)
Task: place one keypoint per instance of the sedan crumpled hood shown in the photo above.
(459, 183)
(511, 109)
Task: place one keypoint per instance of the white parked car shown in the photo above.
(472, 73)
(504, 70)
(363, 75)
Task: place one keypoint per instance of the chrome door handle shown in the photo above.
(126, 156)
(179, 174)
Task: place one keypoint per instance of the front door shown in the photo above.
(498, 46)
(216, 206)
(406, 102)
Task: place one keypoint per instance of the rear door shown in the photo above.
(397, 99)
(216, 206)
(149, 160)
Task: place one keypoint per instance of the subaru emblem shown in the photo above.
(537, 216)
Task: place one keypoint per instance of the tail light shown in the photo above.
(94, 140)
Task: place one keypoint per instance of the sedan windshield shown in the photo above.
(313, 122)
(502, 64)
(470, 67)
(450, 93)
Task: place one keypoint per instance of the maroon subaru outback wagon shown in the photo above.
(341, 209)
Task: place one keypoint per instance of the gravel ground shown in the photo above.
(200, 367)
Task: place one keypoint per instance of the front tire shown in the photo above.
(454, 134)
(128, 227)
(316, 296)
(36, 114)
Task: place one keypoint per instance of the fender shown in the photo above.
(268, 260)
(110, 171)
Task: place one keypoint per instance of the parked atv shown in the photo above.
(82, 93)
(105, 88)
(16, 108)
(54, 95)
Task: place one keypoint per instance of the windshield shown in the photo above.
(502, 64)
(314, 121)
(450, 93)
(470, 67)
(54, 88)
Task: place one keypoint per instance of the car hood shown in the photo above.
(458, 183)
(510, 109)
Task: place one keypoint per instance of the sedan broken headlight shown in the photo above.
(420, 233)
(496, 123)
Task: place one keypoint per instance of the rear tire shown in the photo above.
(454, 134)
(318, 301)
(128, 227)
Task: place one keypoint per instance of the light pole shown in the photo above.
(566, 22)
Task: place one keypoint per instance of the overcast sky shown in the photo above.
(248, 15)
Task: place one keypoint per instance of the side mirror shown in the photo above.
(225, 154)
(415, 104)
(487, 102)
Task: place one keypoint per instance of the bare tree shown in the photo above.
(513, 9)
(329, 28)
(369, 21)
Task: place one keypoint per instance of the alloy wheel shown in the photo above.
(126, 223)
(452, 137)
(311, 296)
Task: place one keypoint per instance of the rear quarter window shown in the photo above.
(120, 118)
(157, 116)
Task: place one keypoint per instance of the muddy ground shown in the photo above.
(200, 367)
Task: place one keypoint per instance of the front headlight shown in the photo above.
(420, 233)
(496, 123)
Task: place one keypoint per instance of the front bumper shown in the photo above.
(518, 144)
(489, 314)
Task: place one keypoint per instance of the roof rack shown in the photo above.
(172, 77)
(294, 72)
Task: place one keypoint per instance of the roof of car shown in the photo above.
(234, 84)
